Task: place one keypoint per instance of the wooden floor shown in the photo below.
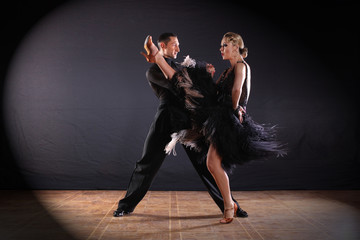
(289, 215)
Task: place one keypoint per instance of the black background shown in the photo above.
(322, 133)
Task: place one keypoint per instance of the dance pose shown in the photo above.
(219, 122)
(170, 117)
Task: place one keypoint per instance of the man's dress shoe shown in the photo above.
(120, 213)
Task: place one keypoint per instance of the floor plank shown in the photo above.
(170, 215)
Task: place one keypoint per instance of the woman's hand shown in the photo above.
(241, 116)
(210, 69)
(240, 113)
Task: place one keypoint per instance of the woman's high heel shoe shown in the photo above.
(229, 220)
(151, 50)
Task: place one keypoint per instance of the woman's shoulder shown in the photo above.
(241, 67)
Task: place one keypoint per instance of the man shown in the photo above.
(159, 135)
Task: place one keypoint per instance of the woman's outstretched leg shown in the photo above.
(154, 57)
(222, 180)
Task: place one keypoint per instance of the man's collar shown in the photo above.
(169, 60)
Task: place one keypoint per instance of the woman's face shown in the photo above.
(227, 49)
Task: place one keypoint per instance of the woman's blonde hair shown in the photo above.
(236, 39)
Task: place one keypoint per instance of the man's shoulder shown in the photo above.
(153, 72)
(153, 67)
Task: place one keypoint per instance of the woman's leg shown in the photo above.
(222, 180)
(167, 70)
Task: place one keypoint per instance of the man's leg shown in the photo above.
(145, 170)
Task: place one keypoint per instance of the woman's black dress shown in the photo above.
(213, 121)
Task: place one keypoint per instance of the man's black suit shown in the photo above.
(156, 140)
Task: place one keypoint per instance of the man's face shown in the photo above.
(172, 48)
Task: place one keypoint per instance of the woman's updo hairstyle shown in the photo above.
(235, 38)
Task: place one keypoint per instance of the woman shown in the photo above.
(220, 124)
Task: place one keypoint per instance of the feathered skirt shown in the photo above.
(214, 122)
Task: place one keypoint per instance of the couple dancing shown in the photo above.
(209, 119)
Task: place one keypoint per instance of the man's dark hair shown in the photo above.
(165, 37)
